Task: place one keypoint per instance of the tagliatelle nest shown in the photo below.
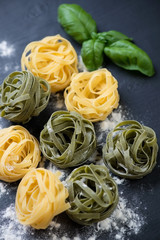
(93, 194)
(53, 58)
(131, 150)
(40, 197)
(67, 139)
(22, 96)
(19, 153)
(93, 94)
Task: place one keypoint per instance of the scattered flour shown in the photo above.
(6, 50)
(54, 225)
(10, 228)
(118, 180)
(96, 158)
(2, 188)
(10, 67)
(123, 222)
(60, 101)
(118, 115)
(113, 119)
(54, 169)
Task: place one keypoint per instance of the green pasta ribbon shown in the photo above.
(131, 150)
(93, 194)
(22, 96)
(67, 139)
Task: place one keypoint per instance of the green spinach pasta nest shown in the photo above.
(131, 150)
(67, 139)
(22, 95)
(93, 194)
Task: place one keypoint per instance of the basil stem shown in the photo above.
(92, 54)
(76, 22)
(110, 36)
(128, 56)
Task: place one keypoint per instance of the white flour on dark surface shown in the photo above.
(60, 101)
(6, 50)
(10, 67)
(102, 128)
(2, 188)
(53, 168)
(118, 180)
(124, 221)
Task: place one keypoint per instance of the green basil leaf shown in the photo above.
(92, 54)
(110, 36)
(76, 22)
(127, 55)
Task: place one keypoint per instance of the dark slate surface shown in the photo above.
(24, 21)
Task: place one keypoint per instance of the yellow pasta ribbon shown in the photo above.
(53, 58)
(93, 94)
(19, 153)
(40, 197)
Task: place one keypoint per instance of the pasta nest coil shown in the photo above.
(40, 197)
(53, 58)
(131, 150)
(67, 139)
(93, 194)
(22, 96)
(19, 153)
(93, 94)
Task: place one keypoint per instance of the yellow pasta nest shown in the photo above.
(40, 197)
(93, 94)
(19, 153)
(53, 59)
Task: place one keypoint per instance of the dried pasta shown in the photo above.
(19, 153)
(67, 139)
(53, 58)
(22, 96)
(93, 94)
(131, 150)
(40, 197)
(93, 194)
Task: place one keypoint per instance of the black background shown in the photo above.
(24, 21)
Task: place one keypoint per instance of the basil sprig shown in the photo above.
(128, 56)
(76, 22)
(92, 54)
(116, 46)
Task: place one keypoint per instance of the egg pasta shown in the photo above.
(53, 58)
(93, 94)
(19, 153)
(40, 197)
